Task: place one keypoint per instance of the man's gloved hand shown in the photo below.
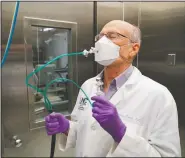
(56, 123)
(107, 116)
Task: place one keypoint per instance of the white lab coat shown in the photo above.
(145, 106)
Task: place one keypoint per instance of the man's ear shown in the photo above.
(135, 50)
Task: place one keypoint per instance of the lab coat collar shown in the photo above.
(133, 79)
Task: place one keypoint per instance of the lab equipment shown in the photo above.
(46, 75)
(85, 52)
(99, 84)
(48, 103)
(93, 50)
(107, 116)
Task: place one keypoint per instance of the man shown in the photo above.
(134, 116)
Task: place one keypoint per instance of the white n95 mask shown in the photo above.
(107, 51)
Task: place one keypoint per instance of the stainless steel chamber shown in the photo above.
(48, 39)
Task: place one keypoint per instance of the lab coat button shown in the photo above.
(93, 127)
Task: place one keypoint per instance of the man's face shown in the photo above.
(121, 37)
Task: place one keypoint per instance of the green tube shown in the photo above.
(42, 67)
(44, 93)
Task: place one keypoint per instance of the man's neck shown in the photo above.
(112, 72)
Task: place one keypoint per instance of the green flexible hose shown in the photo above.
(63, 80)
(48, 105)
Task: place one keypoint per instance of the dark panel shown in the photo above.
(163, 28)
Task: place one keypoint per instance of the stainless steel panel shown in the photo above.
(157, 18)
(163, 29)
(14, 94)
(132, 15)
(14, 91)
(106, 12)
(1, 126)
(131, 12)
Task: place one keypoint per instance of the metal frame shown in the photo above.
(72, 26)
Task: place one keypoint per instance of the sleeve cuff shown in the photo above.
(132, 145)
(120, 149)
(66, 142)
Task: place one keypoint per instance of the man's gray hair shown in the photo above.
(136, 35)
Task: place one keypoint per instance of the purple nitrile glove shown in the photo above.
(56, 123)
(107, 116)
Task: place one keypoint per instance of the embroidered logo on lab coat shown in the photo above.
(82, 103)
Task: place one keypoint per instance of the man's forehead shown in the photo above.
(118, 26)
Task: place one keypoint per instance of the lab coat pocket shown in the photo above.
(134, 124)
